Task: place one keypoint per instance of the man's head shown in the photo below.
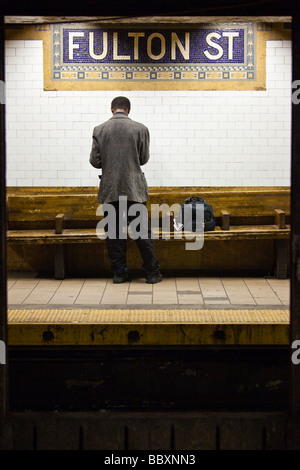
(120, 103)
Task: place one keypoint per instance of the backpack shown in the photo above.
(209, 220)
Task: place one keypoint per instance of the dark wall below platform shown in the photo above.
(85, 379)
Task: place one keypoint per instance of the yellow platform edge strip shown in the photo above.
(92, 327)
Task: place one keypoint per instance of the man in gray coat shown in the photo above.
(120, 146)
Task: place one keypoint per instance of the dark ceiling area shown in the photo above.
(152, 7)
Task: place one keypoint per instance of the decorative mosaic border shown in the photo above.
(262, 32)
(154, 73)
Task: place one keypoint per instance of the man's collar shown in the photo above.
(119, 115)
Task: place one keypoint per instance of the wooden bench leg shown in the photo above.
(281, 259)
(59, 262)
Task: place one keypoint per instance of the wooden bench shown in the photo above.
(63, 216)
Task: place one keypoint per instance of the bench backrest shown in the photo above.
(37, 207)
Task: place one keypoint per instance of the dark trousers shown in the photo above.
(117, 246)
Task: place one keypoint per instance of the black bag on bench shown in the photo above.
(209, 220)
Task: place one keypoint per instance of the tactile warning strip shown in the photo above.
(146, 316)
(165, 327)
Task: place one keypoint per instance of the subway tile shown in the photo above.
(174, 134)
(15, 43)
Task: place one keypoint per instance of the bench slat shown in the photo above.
(239, 202)
(64, 215)
(90, 236)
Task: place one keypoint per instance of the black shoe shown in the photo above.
(118, 279)
(154, 278)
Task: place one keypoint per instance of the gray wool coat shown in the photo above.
(120, 146)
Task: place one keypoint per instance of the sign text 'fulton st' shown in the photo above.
(156, 47)
(89, 53)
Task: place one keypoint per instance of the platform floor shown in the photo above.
(28, 290)
(178, 311)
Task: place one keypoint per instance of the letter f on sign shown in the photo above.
(2, 353)
(72, 46)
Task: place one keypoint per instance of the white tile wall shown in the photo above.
(209, 138)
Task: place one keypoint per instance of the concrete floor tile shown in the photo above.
(267, 301)
(139, 299)
(93, 298)
(242, 301)
(160, 291)
(28, 288)
(49, 284)
(124, 287)
(213, 292)
(165, 299)
(62, 300)
(26, 283)
(190, 299)
(139, 285)
(166, 284)
(240, 293)
(279, 282)
(260, 289)
(17, 296)
(191, 284)
(118, 298)
(11, 282)
(41, 297)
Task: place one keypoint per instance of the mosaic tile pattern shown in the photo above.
(81, 52)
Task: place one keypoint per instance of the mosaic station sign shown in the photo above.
(86, 53)
(178, 56)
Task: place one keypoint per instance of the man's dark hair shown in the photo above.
(120, 102)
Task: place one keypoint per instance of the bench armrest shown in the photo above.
(225, 220)
(59, 223)
(280, 218)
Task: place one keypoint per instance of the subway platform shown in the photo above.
(176, 312)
